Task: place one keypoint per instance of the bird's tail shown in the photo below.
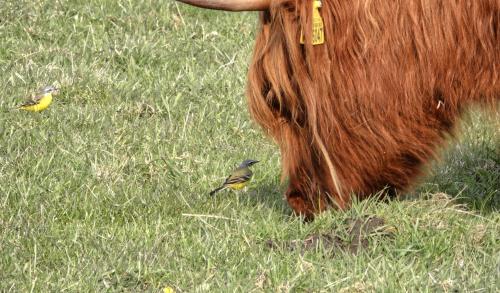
(217, 189)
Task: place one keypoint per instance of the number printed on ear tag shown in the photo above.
(318, 28)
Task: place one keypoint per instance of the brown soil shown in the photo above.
(353, 237)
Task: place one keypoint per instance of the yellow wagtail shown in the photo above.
(239, 178)
(41, 101)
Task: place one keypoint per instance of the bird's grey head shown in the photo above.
(48, 89)
(248, 163)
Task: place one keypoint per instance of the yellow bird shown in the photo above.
(239, 178)
(41, 101)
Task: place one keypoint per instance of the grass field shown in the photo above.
(107, 190)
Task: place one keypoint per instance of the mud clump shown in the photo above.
(353, 236)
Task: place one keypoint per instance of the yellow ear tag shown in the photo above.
(318, 31)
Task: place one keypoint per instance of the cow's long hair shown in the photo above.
(371, 106)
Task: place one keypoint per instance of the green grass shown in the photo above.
(107, 190)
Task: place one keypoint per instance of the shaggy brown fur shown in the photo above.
(370, 107)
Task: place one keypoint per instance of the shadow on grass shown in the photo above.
(270, 195)
(471, 173)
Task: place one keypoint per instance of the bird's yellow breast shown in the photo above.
(42, 104)
(238, 186)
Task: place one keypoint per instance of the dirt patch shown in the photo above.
(353, 236)
(146, 110)
(123, 281)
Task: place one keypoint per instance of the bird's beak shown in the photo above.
(231, 5)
